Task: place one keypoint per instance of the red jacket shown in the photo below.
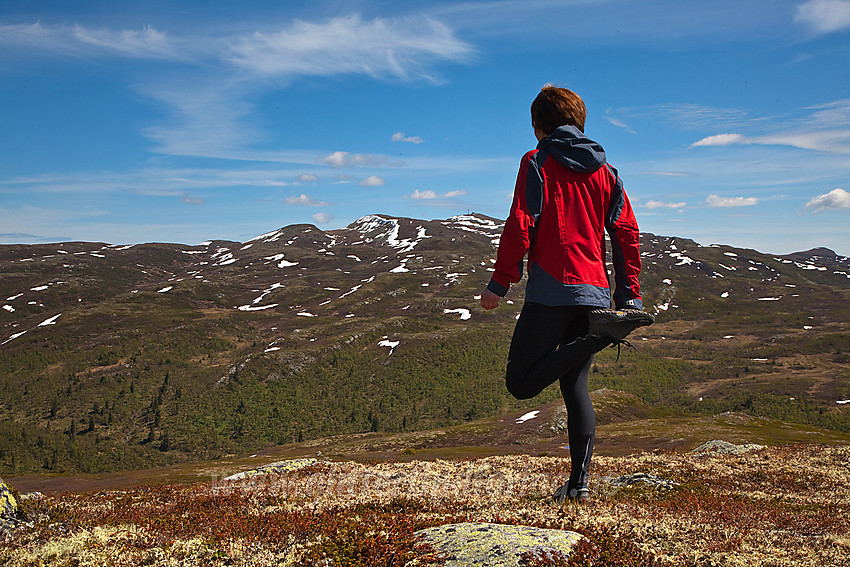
(566, 196)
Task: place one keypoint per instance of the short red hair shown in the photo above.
(556, 106)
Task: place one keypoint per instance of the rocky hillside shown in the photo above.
(117, 357)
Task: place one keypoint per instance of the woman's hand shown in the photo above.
(489, 300)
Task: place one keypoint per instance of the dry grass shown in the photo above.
(785, 505)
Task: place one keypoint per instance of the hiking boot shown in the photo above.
(617, 324)
(577, 494)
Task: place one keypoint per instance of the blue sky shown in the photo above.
(180, 121)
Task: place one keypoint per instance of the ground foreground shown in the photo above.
(782, 505)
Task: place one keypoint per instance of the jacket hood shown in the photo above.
(573, 149)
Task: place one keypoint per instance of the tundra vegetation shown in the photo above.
(779, 505)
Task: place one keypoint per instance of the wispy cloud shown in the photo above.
(207, 98)
(305, 200)
(345, 159)
(344, 178)
(373, 181)
(618, 122)
(146, 43)
(669, 173)
(149, 181)
(322, 218)
(206, 117)
(664, 205)
(401, 137)
(402, 48)
(681, 115)
(429, 195)
(189, 200)
(822, 128)
(838, 198)
(824, 16)
(307, 178)
(718, 201)
(721, 140)
(79, 41)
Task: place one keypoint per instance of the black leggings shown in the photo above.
(549, 344)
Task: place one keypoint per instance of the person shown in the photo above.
(566, 197)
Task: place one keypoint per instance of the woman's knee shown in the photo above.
(519, 388)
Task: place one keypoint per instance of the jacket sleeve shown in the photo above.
(515, 240)
(622, 227)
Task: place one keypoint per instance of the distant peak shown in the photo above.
(822, 252)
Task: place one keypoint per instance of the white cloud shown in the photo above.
(838, 198)
(398, 48)
(307, 178)
(718, 201)
(721, 140)
(345, 159)
(824, 16)
(684, 116)
(322, 218)
(400, 137)
(427, 194)
(373, 181)
(832, 141)
(78, 41)
(822, 128)
(144, 43)
(149, 181)
(186, 198)
(669, 173)
(204, 116)
(619, 123)
(305, 200)
(663, 205)
(206, 102)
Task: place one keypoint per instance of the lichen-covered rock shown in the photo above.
(725, 448)
(278, 467)
(11, 515)
(495, 545)
(644, 479)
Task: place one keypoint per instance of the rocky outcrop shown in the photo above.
(278, 467)
(496, 545)
(716, 447)
(11, 515)
(641, 479)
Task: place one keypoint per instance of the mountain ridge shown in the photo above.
(124, 356)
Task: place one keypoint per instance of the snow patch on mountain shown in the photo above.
(257, 307)
(13, 337)
(477, 225)
(464, 313)
(272, 236)
(374, 227)
(389, 344)
(51, 321)
(525, 417)
(281, 262)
